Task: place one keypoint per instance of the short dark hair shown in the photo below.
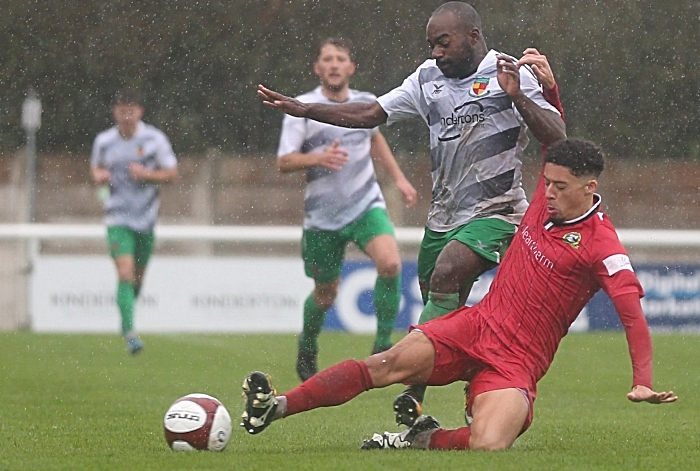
(339, 42)
(581, 157)
(128, 96)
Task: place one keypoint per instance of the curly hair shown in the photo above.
(581, 157)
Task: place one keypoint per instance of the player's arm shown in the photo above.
(348, 115)
(382, 155)
(100, 175)
(629, 309)
(546, 125)
(333, 158)
(158, 176)
(540, 66)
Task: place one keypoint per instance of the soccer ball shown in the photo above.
(197, 422)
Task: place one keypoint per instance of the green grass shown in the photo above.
(81, 402)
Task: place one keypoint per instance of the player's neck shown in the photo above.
(339, 95)
(127, 132)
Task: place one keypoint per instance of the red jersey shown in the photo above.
(546, 278)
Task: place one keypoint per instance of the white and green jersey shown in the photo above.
(131, 203)
(334, 198)
(477, 138)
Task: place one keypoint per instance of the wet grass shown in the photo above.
(81, 402)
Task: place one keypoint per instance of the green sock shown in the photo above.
(387, 297)
(125, 301)
(438, 305)
(314, 317)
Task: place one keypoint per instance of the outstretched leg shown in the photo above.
(411, 360)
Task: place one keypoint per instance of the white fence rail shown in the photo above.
(288, 234)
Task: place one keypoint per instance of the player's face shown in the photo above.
(451, 46)
(334, 67)
(568, 196)
(127, 116)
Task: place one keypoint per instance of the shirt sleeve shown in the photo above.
(96, 154)
(629, 309)
(292, 135)
(552, 97)
(403, 101)
(164, 154)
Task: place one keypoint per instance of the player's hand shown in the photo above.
(138, 172)
(409, 195)
(644, 394)
(101, 176)
(280, 102)
(540, 66)
(334, 157)
(508, 75)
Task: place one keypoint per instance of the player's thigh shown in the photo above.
(488, 238)
(373, 233)
(499, 417)
(143, 249)
(430, 248)
(384, 253)
(323, 253)
(472, 249)
(410, 361)
(122, 243)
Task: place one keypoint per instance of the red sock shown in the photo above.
(442, 439)
(331, 387)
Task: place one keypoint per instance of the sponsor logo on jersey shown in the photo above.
(460, 119)
(572, 238)
(479, 87)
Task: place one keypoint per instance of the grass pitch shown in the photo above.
(79, 402)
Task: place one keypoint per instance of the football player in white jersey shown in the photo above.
(343, 202)
(131, 159)
(477, 136)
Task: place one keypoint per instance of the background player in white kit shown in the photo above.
(343, 201)
(133, 158)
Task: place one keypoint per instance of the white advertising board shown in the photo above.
(180, 294)
(215, 294)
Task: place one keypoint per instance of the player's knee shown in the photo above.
(384, 368)
(445, 278)
(389, 268)
(325, 295)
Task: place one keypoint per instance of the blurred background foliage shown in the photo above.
(628, 70)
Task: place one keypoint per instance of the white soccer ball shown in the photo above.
(197, 422)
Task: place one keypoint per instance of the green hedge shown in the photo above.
(627, 69)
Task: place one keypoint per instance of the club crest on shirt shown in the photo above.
(479, 87)
(572, 238)
(140, 151)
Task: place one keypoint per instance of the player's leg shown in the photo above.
(467, 252)
(322, 252)
(410, 360)
(500, 416)
(144, 245)
(121, 246)
(374, 234)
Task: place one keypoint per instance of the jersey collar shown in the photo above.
(594, 209)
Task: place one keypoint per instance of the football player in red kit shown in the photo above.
(565, 250)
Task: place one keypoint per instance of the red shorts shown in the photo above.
(467, 349)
